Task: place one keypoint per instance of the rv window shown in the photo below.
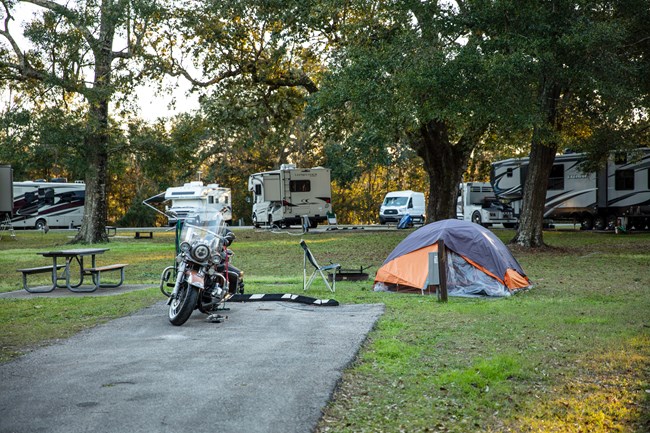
(299, 186)
(624, 180)
(66, 197)
(410, 203)
(258, 189)
(509, 172)
(556, 178)
(211, 199)
(48, 196)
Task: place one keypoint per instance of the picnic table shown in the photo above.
(74, 257)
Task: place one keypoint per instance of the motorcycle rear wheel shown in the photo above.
(181, 308)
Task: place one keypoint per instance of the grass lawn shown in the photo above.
(570, 355)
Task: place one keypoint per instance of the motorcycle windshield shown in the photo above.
(210, 232)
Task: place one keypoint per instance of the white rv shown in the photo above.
(197, 202)
(477, 203)
(51, 204)
(396, 204)
(617, 193)
(282, 197)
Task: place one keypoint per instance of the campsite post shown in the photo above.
(442, 271)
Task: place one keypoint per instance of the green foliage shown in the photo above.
(42, 144)
(138, 215)
(590, 51)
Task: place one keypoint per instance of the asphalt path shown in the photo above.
(269, 367)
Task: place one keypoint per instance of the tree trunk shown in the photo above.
(531, 219)
(93, 227)
(444, 163)
(542, 154)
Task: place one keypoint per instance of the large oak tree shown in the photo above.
(79, 53)
(581, 62)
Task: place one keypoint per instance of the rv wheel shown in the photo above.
(40, 224)
(587, 223)
(256, 223)
(611, 222)
(476, 218)
(600, 223)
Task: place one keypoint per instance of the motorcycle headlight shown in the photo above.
(184, 246)
(200, 252)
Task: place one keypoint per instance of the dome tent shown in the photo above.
(478, 262)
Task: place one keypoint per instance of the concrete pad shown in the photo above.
(270, 367)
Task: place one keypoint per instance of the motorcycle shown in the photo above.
(204, 277)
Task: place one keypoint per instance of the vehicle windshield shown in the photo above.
(395, 201)
(211, 231)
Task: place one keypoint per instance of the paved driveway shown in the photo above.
(270, 367)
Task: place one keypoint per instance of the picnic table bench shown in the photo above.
(70, 256)
(38, 270)
(144, 234)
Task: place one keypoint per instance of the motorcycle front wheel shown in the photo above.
(181, 308)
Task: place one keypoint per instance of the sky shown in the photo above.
(153, 106)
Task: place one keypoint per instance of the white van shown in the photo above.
(399, 203)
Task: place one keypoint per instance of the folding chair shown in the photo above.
(308, 256)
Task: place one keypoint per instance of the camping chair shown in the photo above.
(308, 256)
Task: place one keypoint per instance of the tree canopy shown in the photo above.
(390, 95)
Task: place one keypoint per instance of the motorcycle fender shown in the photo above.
(194, 279)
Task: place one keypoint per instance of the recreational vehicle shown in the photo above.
(51, 204)
(396, 204)
(197, 202)
(617, 194)
(477, 203)
(283, 197)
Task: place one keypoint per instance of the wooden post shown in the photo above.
(442, 271)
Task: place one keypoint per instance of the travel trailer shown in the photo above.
(48, 204)
(396, 204)
(283, 197)
(197, 202)
(477, 203)
(617, 195)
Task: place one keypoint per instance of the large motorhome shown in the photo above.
(618, 194)
(48, 204)
(283, 197)
(197, 202)
(477, 203)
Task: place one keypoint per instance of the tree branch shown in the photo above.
(69, 14)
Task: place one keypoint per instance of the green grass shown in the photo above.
(572, 354)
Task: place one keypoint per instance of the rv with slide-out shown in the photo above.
(618, 194)
(291, 195)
